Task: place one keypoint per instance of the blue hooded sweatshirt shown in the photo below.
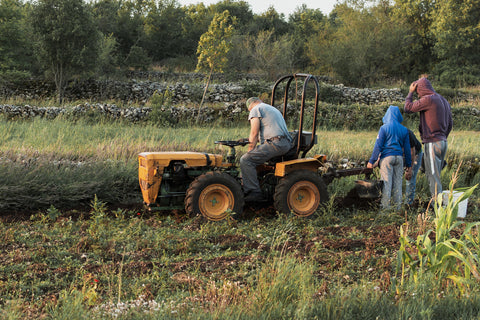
(392, 139)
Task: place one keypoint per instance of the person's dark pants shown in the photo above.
(410, 185)
(262, 153)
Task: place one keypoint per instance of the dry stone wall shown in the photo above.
(183, 98)
(140, 91)
(133, 114)
(128, 92)
(368, 96)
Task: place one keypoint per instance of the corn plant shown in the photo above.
(447, 257)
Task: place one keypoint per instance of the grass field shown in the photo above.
(75, 161)
(107, 262)
(122, 141)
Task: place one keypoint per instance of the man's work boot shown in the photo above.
(254, 196)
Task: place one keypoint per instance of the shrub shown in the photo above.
(160, 114)
(254, 87)
(329, 94)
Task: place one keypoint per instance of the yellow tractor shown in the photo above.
(211, 184)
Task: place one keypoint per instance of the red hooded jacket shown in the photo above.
(435, 112)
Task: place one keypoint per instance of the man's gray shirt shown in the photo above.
(272, 123)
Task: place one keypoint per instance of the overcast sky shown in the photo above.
(282, 6)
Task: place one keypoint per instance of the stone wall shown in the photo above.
(136, 91)
(368, 96)
(332, 116)
(108, 110)
(183, 99)
(230, 111)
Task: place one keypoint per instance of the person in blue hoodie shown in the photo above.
(391, 147)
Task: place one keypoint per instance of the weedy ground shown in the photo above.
(128, 263)
(109, 259)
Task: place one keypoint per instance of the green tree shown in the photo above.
(269, 20)
(318, 49)
(304, 23)
(106, 14)
(129, 29)
(456, 29)
(164, 36)
(106, 59)
(138, 58)
(239, 60)
(239, 9)
(15, 60)
(417, 16)
(270, 56)
(214, 46)
(122, 23)
(363, 46)
(67, 39)
(196, 22)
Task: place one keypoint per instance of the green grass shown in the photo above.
(65, 164)
(122, 265)
(59, 139)
(112, 263)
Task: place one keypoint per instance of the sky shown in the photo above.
(281, 6)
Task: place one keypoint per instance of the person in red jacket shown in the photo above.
(435, 126)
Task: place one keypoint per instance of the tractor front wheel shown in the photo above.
(214, 195)
(300, 192)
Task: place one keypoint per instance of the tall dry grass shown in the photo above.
(59, 139)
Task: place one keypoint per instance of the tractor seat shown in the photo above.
(292, 153)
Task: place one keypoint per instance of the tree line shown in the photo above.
(360, 43)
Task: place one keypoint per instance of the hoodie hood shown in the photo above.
(424, 87)
(392, 139)
(393, 114)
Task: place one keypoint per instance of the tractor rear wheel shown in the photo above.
(214, 195)
(300, 192)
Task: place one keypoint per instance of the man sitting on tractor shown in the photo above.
(268, 127)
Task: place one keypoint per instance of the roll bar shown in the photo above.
(307, 78)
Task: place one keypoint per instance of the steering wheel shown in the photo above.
(233, 143)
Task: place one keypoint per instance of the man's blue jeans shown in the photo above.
(410, 185)
(262, 153)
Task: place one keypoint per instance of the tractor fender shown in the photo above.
(311, 164)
